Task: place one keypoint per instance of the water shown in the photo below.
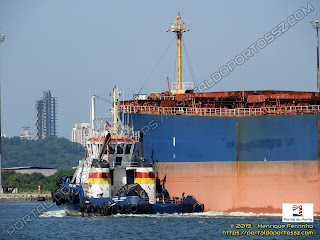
(36, 220)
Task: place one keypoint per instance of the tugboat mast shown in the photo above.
(115, 125)
(178, 27)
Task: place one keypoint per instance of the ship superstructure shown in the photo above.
(111, 162)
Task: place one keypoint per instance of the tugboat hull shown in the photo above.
(123, 205)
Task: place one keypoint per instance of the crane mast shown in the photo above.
(178, 27)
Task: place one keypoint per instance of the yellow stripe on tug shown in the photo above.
(99, 181)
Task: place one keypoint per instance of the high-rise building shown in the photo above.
(45, 116)
(81, 133)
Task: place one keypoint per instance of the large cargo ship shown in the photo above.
(246, 151)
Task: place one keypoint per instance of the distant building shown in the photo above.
(45, 116)
(26, 134)
(31, 169)
(81, 133)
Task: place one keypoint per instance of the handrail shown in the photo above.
(173, 97)
(113, 164)
(221, 112)
(185, 85)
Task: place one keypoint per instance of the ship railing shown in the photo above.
(173, 97)
(225, 112)
(114, 164)
(185, 85)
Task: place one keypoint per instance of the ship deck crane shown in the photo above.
(102, 99)
(93, 110)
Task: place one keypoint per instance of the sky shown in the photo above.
(72, 46)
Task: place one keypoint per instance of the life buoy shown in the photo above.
(134, 209)
(120, 208)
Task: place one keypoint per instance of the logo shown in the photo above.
(297, 212)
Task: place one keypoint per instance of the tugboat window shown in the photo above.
(112, 148)
(128, 148)
(118, 161)
(120, 148)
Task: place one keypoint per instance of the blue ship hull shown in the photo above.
(248, 164)
(219, 139)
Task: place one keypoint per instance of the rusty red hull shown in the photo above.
(258, 187)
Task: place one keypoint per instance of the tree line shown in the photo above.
(30, 182)
(52, 152)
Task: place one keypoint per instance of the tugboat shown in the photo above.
(115, 178)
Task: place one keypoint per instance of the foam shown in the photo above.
(56, 213)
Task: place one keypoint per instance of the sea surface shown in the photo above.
(43, 220)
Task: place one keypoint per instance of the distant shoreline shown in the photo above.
(13, 197)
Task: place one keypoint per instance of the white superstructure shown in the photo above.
(112, 162)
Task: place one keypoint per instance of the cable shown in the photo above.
(156, 65)
(189, 62)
